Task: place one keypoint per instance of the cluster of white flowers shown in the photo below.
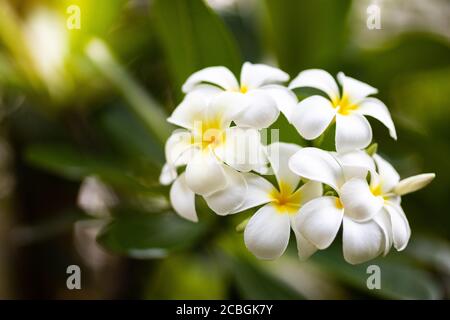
(221, 149)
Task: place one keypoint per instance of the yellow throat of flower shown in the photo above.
(209, 133)
(344, 106)
(285, 200)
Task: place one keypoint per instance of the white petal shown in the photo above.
(319, 221)
(204, 174)
(319, 79)
(388, 176)
(284, 98)
(401, 231)
(279, 154)
(260, 112)
(312, 116)
(356, 163)
(361, 241)
(219, 76)
(207, 91)
(232, 196)
(242, 149)
(354, 89)
(382, 218)
(305, 249)
(318, 165)
(226, 107)
(256, 75)
(377, 109)
(178, 143)
(258, 191)
(414, 183)
(359, 202)
(190, 110)
(267, 233)
(309, 191)
(183, 199)
(353, 131)
(168, 174)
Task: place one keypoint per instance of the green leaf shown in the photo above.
(72, 164)
(193, 37)
(149, 234)
(306, 34)
(255, 283)
(400, 278)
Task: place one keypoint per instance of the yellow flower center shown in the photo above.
(377, 191)
(344, 106)
(209, 133)
(284, 200)
(339, 204)
(243, 88)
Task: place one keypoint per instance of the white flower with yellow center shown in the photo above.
(258, 91)
(386, 184)
(213, 151)
(313, 115)
(267, 232)
(354, 205)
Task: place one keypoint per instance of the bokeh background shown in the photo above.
(82, 126)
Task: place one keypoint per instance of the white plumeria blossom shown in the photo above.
(354, 207)
(313, 115)
(213, 151)
(267, 232)
(386, 184)
(258, 90)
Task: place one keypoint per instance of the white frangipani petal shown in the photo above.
(319, 221)
(312, 116)
(183, 199)
(226, 200)
(413, 183)
(389, 177)
(361, 241)
(267, 233)
(318, 165)
(354, 89)
(309, 191)
(207, 91)
(168, 174)
(255, 75)
(359, 202)
(382, 218)
(219, 76)
(305, 249)
(279, 154)
(355, 163)
(192, 108)
(261, 110)
(204, 174)
(242, 149)
(375, 108)
(285, 99)
(318, 79)
(177, 144)
(401, 231)
(258, 190)
(353, 131)
(226, 106)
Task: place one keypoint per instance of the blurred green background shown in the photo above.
(82, 115)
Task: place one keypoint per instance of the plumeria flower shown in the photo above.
(313, 115)
(267, 232)
(386, 184)
(258, 91)
(213, 152)
(354, 206)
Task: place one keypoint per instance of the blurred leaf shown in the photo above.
(255, 283)
(187, 276)
(307, 34)
(193, 37)
(400, 279)
(149, 234)
(72, 164)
